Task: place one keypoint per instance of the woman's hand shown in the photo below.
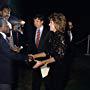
(38, 64)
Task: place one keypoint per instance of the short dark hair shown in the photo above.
(5, 6)
(40, 17)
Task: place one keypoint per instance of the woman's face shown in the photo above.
(52, 26)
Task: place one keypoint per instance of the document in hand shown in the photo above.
(44, 70)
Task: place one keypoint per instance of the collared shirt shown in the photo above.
(41, 30)
(9, 24)
(4, 35)
(70, 35)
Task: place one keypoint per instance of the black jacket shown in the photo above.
(7, 56)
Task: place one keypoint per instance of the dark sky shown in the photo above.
(68, 6)
(76, 10)
(71, 8)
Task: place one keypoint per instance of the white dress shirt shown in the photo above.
(70, 35)
(41, 30)
(4, 35)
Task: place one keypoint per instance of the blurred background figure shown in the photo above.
(17, 31)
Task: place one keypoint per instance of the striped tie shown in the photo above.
(38, 38)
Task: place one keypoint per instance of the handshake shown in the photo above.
(33, 62)
(37, 63)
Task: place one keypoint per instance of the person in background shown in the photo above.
(71, 49)
(17, 32)
(6, 14)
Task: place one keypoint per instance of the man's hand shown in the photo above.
(31, 58)
(17, 49)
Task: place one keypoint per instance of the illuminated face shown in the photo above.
(6, 13)
(70, 25)
(38, 23)
(52, 26)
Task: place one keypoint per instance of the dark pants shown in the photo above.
(37, 80)
(5, 87)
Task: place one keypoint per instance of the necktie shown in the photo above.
(37, 38)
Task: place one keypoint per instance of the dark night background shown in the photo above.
(78, 12)
(75, 10)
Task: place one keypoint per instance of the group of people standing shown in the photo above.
(51, 51)
(48, 47)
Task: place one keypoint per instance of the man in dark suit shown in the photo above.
(6, 58)
(37, 46)
(39, 24)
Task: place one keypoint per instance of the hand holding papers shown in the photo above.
(44, 70)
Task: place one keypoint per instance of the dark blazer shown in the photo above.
(6, 58)
(36, 74)
(41, 46)
(18, 39)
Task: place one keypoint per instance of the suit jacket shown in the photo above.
(41, 47)
(7, 56)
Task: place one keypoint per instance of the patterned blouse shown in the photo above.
(55, 44)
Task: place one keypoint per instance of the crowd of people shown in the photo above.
(47, 50)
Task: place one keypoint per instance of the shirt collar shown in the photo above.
(41, 28)
(3, 34)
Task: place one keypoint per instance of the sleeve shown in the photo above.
(58, 48)
(5, 49)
